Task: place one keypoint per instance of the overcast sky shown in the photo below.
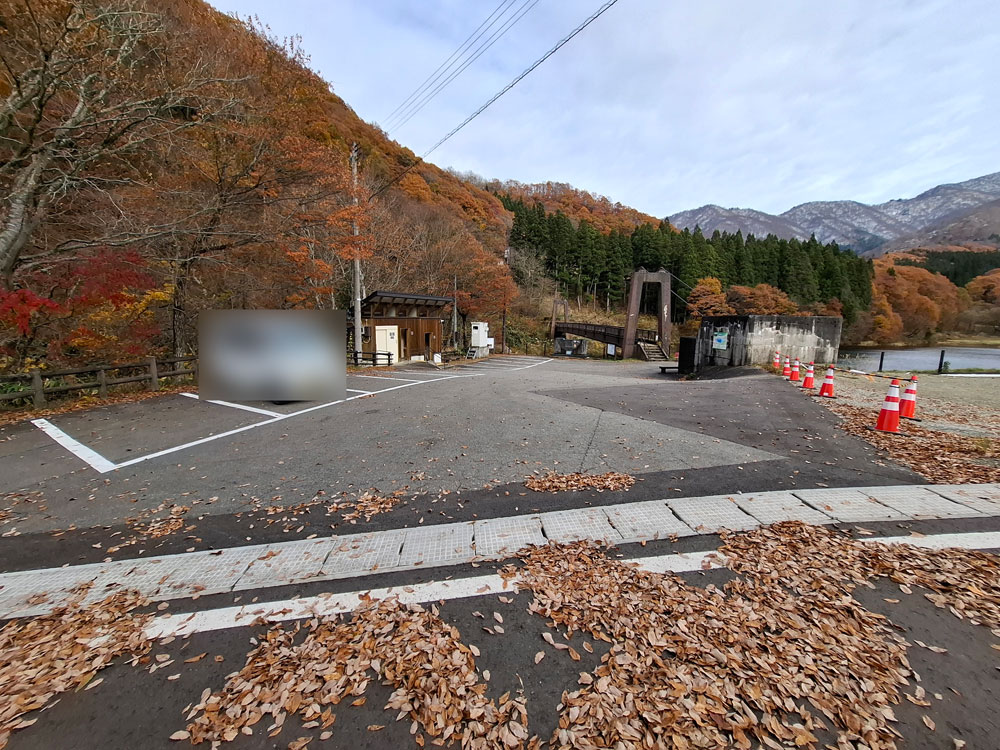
(666, 106)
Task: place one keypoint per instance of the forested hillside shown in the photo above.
(159, 158)
(586, 262)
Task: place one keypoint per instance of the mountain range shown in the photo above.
(960, 212)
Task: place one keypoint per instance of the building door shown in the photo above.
(387, 340)
(427, 346)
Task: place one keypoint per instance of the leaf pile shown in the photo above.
(942, 457)
(765, 662)
(368, 504)
(611, 481)
(805, 558)
(45, 656)
(405, 646)
(754, 665)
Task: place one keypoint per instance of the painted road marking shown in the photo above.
(355, 390)
(78, 449)
(103, 465)
(325, 605)
(246, 428)
(384, 377)
(234, 406)
(970, 540)
(355, 556)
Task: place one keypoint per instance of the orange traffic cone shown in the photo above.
(888, 417)
(826, 390)
(777, 359)
(786, 373)
(908, 402)
(810, 380)
(795, 371)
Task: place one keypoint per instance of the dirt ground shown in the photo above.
(963, 406)
(955, 437)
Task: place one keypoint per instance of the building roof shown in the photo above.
(404, 298)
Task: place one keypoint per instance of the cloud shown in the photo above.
(667, 106)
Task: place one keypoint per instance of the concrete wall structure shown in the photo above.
(753, 339)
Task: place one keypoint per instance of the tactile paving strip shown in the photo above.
(707, 515)
(774, 507)
(848, 505)
(48, 587)
(638, 522)
(498, 537)
(584, 523)
(357, 554)
(289, 563)
(984, 498)
(918, 502)
(437, 545)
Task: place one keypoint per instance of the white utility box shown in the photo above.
(480, 334)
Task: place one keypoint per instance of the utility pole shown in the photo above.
(454, 316)
(503, 326)
(357, 259)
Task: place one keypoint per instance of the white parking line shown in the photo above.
(384, 377)
(103, 465)
(245, 428)
(464, 588)
(244, 407)
(537, 363)
(78, 449)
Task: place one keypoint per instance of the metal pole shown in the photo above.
(357, 257)
(941, 362)
(881, 361)
(503, 325)
(454, 316)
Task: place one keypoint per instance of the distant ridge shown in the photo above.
(869, 229)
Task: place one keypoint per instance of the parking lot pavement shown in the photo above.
(454, 444)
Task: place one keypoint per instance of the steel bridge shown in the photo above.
(605, 334)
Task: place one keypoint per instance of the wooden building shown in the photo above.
(405, 325)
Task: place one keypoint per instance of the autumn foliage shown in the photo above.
(762, 299)
(707, 298)
(208, 168)
(985, 288)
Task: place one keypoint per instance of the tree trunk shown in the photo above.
(17, 223)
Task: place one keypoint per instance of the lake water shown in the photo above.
(924, 358)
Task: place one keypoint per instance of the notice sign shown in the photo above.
(720, 339)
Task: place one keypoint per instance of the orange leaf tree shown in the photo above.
(706, 298)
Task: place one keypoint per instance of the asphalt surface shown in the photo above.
(132, 708)
(457, 450)
(440, 443)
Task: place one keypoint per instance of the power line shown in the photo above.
(468, 42)
(517, 80)
(497, 35)
(600, 11)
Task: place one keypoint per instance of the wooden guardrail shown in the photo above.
(37, 384)
(151, 371)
